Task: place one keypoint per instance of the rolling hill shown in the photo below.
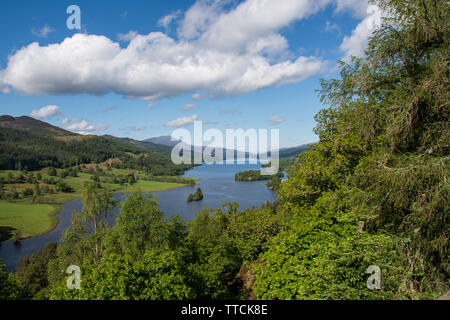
(33, 144)
(31, 124)
(283, 152)
(163, 140)
(143, 144)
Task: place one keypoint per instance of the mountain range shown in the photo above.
(283, 152)
(31, 124)
(36, 144)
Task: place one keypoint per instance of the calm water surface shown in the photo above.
(218, 186)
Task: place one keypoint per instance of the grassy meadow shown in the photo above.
(26, 220)
(35, 214)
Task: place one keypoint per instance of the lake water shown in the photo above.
(218, 187)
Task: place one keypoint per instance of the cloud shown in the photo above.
(180, 122)
(197, 96)
(42, 32)
(256, 21)
(130, 35)
(199, 17)
(134, 128)
(332, 27)
(46, 112)
(356, 43)
(167, 20)
(222, 51)
(81, 127)
(190, 106)
(276, 119)
(152, 103)
(3, 86)
(110, 108)
(357, 7)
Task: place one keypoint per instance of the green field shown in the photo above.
(36, 215)
(26, 219)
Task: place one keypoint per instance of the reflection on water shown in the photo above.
(218, 186)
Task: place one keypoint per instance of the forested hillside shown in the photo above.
(33, 145)
(373, 191)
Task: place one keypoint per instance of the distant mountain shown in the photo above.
(163, 140)
(167, 141)
(35, 144)
(31, 124)
(293, 151)
(283, 152)
(144, 144)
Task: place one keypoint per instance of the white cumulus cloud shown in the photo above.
(356, 43)
(167, 20)
(253, 20)
(357, 7)
(190, 106)
(130, 35)
(222, 48)
(42, 32)
(197, 96)
(46, 112)
(81, 127)
(219, 51)
(180, 122)
(134, 128)
(276, 119)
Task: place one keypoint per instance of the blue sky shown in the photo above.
(143, 68)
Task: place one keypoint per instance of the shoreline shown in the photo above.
(11, 252)
(57, 207)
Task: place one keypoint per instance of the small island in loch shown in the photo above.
(254, 175)
(196, 196)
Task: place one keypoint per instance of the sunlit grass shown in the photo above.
(28, 219)
(36, 215)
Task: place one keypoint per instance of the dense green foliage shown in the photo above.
(283, 163)
(374, 190)
(274, 183)
(144, 256)
(155, 276)
(293, 152)
(10, 286)
(253, 175)
(32, 271)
